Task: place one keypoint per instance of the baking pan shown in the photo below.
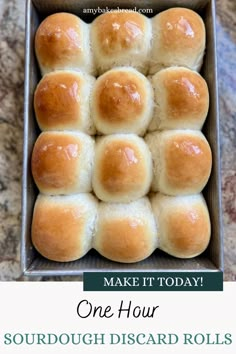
(212, 259)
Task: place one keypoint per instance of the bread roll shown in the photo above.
(63, 226)
(182, 161)
(62, 101)
(178, 39)
(123, 168)
(184, 224)
(181, 99)
(121, 39)
(62, 162)
(126, 233)
(62, 42)
(122, 102)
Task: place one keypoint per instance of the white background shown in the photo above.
(42, 307)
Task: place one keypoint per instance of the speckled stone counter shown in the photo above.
(11, 131)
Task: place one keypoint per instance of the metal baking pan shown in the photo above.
(35, 265)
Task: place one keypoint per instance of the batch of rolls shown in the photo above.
(121, 161)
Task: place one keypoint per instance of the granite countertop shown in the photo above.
(11, 131)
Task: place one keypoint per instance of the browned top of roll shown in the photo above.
(55, 160)
(58, 39)
(120, 97)
(125, 240)
(186, 92)
(188, 231)
(118, 31)
(122, 167)
(56, 99)
(57, 230)
(181, 27)
(188, 161)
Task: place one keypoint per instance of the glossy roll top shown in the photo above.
(62, 162)
(182, 161)
(63, 226)
(122, 102)
(62, 41)
(183, 223)
(121, 39)
(181, 99)
(123, 168)
(179, 39)
(126, 233)
(62, 101)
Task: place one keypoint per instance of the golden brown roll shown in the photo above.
(181, 99)
(182, 161)
(62, 101)
(62, 42)
(179, 39)
(63, 226)
(123, 168)
(121, 39)
(183, 223)
(126, 233)
(62, 162)
(122, 102)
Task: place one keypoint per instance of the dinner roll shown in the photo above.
(62, 101)
(126, 233)
(62, 162)
(178, 39)
(181, 99)
(63, 226)
(182, 161)
(184, 224)
(122, 102)
(123, 168)
(121, 39)
(62, 41)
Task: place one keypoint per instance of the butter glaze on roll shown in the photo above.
(121, 39)
(62, 42)
(63, 226)
(126, 233)
(181, 99)
(62, 162)
(122, 102)
(62, 101)
(123, 168)
(184, 224)
(179, 39)
(182, 161)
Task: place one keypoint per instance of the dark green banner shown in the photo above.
(153, 281)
